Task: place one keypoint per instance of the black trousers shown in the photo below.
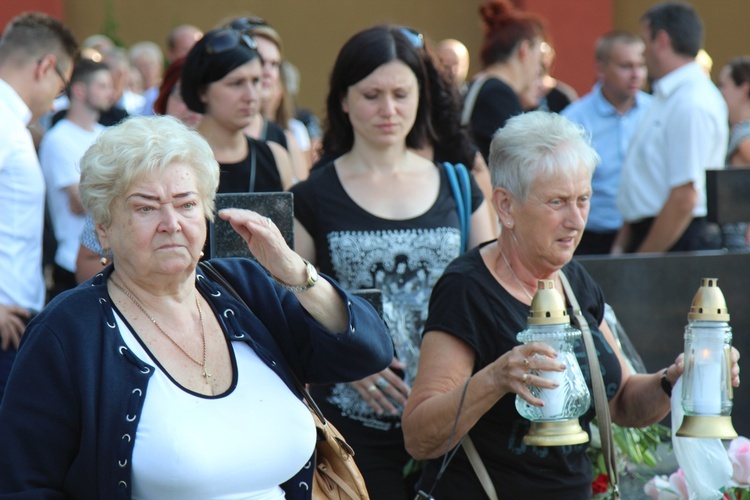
(593, 243)
(699, 235)
(63, 280)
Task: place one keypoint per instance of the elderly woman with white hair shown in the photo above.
(541, 166)
(152, 380)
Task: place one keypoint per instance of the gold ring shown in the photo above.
(525, 377)
(372, 388)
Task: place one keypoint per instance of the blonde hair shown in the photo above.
(143, 145)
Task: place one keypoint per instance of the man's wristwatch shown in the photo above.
(312, 279)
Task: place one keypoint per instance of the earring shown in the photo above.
(508, 223)
(104, 261)
(202, 254)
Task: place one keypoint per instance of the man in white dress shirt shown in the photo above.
(36, 59)
(662, 194)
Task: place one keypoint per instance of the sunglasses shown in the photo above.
(228, 39)
(414, 37)
(248, 23)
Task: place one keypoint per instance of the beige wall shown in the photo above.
(314, 30)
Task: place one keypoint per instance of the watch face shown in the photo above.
(313, 273)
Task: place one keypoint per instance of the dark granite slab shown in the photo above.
(225, 242)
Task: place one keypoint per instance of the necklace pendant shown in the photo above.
(206, 375)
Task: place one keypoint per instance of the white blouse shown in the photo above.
(238, 445)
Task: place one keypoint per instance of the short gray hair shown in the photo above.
(143, 145)
(538, 144)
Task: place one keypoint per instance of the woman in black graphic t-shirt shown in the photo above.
(381, 216)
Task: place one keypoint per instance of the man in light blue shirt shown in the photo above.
(611, 113)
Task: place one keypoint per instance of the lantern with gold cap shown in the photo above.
(556, 423)
(707, 379)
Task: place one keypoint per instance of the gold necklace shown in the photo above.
(512, 272)
(202, 364)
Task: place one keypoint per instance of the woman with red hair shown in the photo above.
(511, 61)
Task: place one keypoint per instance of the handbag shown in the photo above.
(336, 476)
(458, 178)
(603, 418)
(600, 404)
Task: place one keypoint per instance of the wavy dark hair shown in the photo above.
(359, 57)
(451, 141)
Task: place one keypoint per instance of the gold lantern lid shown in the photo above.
(548, 306)
(709, 303)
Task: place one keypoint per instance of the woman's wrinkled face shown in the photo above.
(549, 225)
(382, 107)
(158, 225)
(234, 100)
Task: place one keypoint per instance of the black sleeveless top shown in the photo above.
(273, 132)
(243, 177)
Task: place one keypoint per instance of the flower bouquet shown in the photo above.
(635, 447)
(674, 486)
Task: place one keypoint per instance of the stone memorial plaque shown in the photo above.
(225, 242)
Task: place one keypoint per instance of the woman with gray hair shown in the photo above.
(541, 166)
(152, 380)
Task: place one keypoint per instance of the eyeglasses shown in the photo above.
(228, 39)
(59, 72)
(414, 36)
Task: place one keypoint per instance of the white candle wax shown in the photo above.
(706, 384)
(554, 399)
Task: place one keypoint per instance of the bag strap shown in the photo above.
(479, 468)
(458, 178)
(604, 419)
(215, 275)
(253, 167)
(471, 99)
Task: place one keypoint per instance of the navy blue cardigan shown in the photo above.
(74, 397)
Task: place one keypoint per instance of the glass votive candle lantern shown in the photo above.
(556, 423)
(707, 379)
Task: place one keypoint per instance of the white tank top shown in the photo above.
(239, 445)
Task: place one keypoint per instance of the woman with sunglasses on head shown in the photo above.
(268, 125)
(221, 79)
(381, 216)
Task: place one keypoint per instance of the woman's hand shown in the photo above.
(12, 326)
(378, 388)
(675, 370)
(510, 372)
(267, 245)
(735, 367)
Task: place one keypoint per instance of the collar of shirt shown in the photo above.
(669, 83)
(13, 101)
(606, 108)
